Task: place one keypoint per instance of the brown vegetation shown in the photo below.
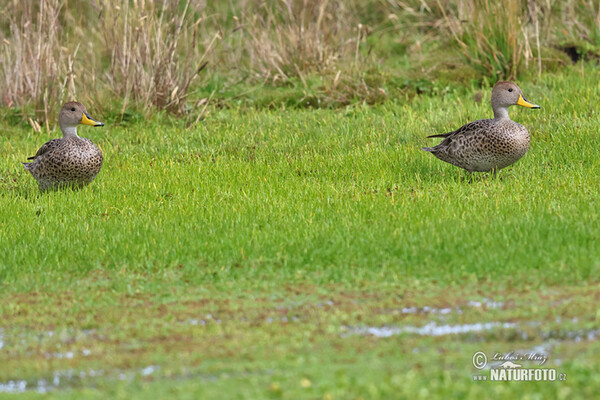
(159, 55)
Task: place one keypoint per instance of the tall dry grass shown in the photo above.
(494, 40)
(146, 54)
(502, 39)
(157, 55)
(293, 38)
(156, 50)
(36, 67)
(493, 37)
(581, 21)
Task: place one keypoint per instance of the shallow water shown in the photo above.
(485, 302)
(436, 324)
(488, 303)
(69, 378)
(430, 329)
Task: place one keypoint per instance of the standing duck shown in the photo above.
(70, 161)
(488, 144)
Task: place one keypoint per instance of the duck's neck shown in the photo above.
(501, 113)
(69, 131)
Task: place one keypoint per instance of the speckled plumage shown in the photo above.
(71, 160)
(488, 144)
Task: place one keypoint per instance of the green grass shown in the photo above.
(239, 257)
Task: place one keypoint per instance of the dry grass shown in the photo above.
(502, 39)
(156, 51)
(141, 52)
(494, 40)
(493, 37)
(294, 38)
(148, 55)
(581, 21)
(35, 67)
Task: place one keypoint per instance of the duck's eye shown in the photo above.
(510, 90)
(73, 108)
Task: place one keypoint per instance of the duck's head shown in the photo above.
(73, 114)
(506, 94)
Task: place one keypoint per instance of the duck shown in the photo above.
(70, 161)
(488, 145)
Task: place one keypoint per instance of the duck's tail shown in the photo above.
(440, 135)
(429, 149)
(26, 165)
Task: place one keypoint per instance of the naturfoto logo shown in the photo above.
(507, 369)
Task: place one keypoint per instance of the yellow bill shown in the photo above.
(525, 103)
(87, 120)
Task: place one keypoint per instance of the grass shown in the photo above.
(243, 258)
(179, 56)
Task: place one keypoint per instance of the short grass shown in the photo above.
(244, 258)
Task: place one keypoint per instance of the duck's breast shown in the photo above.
(504, 145)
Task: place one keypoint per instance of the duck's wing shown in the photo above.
(468, 129)
(48, 146)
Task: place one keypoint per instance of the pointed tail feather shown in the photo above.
(440, 135)
(429, 149)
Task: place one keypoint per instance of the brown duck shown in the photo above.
(488, 144)
(71, 160)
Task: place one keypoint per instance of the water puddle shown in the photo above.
(68, 379)
(59, 380)
(548, 333)
(484, 303)
(207, 318)
(527, 330)
(13, 387)
(430, 329)
(37, 339)
(429, 310)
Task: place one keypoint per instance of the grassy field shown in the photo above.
(314, 254)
